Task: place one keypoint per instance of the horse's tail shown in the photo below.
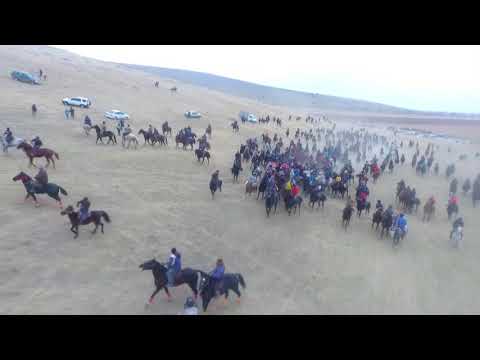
(105, 216)
(241, 280)
(62, 190)
(56, 155)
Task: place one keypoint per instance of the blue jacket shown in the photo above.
(218, 272)
(402, 223)
(175, 262)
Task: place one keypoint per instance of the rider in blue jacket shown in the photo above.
(217, 275)
(402, 223)
(174, 266)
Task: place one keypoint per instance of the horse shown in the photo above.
(292, 203)
(202, 155)
(185, 276)
(339, 188)
(166, 129)
(452, 209)
(50, 189)
(377, 218)
(148, 137)
(317, 197)
(251, 187)
(428, 210)
(262, 187)
(87, 129)
(111, 136)
(129, 138)
(214, 185)
(184, 141)
(14, 143)
(387, 221)
(94, 217)
(42, 152)
(235, 171)
(229, 282)
(457, 237)
(363, 205)
(346, 216)
(271, 201)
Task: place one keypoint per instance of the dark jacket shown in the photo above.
(42, 177)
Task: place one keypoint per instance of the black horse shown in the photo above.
(148, 137)
(100, 135)
(292, 203)
(339, 188)
(377, 218)
(363, 205)
(185, 276)
(317, 197)
(214, 185)
(271, 201)
(262, 187)
(202, 155)
(50, 189)
(229, 282)
(95, 218)
(387, 221)
(346, 216)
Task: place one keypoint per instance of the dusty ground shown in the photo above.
(159, 198)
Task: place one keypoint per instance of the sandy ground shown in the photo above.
(159, 198)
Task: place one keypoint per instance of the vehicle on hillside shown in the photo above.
(193, 114)
(247, 117)
(116, 115)
(25, 77)
(77, 101)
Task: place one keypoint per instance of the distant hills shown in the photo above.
(282, 97)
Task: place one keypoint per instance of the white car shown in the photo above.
(117, 115)
(193, 114)
(251, 118)
(77, 101)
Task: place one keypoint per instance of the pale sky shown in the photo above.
(420, 77)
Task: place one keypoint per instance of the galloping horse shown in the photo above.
(14, 143)
(229, 282)
(185, 276)
(50, 189)
(100, 136)
(95, 217)
(42, 152)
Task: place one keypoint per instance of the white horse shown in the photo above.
(14, 143)
(129, 138)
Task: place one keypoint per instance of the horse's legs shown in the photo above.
(95, 230)
(53, 162)
(169, 297)
(150, 301)
(101, 225)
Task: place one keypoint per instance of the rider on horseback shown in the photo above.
(174, 266)
(150, 130)
(104, 128)
(41, 178)
(379, 205)
(217, 275)
(457, 223)
(83, 213)
(87, 121)
(8, 136)
(215, 179)
(401, 223)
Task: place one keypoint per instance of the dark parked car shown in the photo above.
(24, 77)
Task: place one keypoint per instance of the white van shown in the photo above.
(77, 101)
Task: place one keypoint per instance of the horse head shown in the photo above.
(24, 146)
(22, 176)
(151, 265)
(67, 211)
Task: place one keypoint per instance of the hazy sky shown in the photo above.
(422, 77)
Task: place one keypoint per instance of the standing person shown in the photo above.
(8, 136)
(34, 109)
(173, 266)
(72, 112)
(67, 113)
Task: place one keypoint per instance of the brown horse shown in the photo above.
(43, 152)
